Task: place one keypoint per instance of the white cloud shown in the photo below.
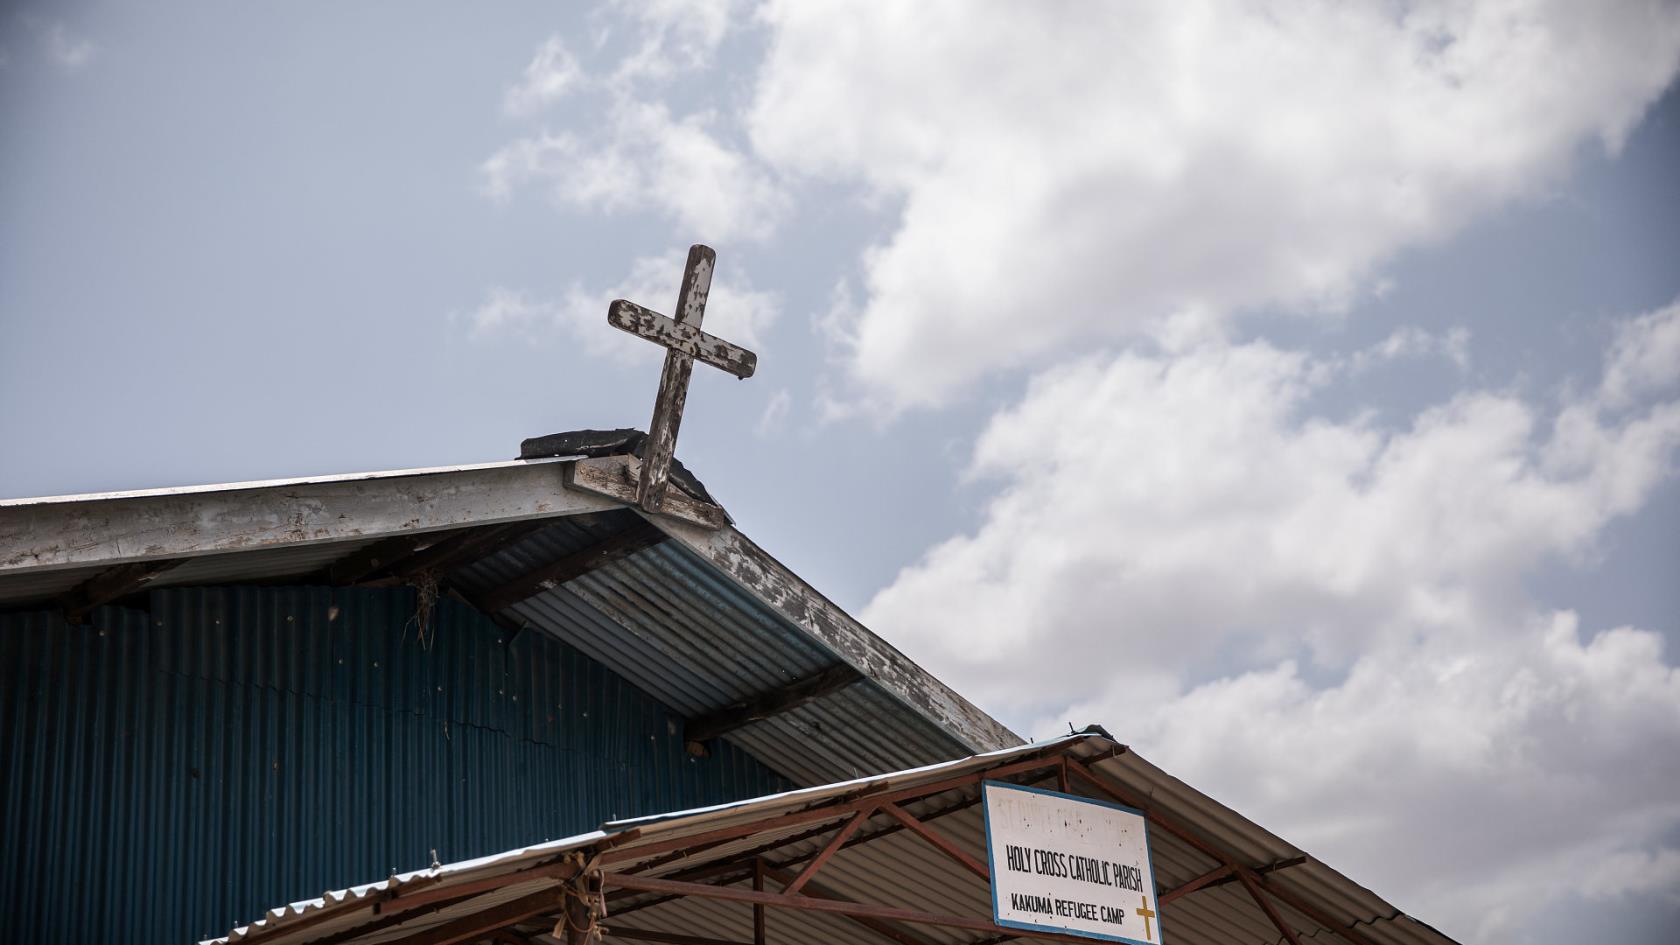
(646, 159)
(1075, 178)
(1413, 342)
(672, 36)
(1479, 776)
(507, 310)
(1644, 357)
(734, 310)
(552, 74)
(64, 47)
(775, 413)
(1636, 871)
(1324, 622)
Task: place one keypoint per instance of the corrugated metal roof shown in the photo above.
(668, 622)
(699, 623)
(167, 772)
(898, 869)
(665, 618)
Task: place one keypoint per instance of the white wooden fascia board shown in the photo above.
(187, 523)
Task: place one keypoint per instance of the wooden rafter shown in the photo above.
(768, 704)
(358, 564)
(641, 534)
(111, 584)
(454, 550)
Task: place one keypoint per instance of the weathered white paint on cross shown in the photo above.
(686, 342)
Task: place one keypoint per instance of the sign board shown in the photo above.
(1070, 864)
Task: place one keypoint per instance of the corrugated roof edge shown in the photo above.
(274, 483)
(645, 828)
(742, 561)
(1204, 814)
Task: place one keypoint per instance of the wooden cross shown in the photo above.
(682, 335)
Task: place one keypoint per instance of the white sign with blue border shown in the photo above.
(1069, 864)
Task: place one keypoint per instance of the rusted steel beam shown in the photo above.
(389, 919)
(1312, 912)
(826, 811)
(733, 869)
(1184, 833)
(738, 867)
(832, 847)
(878, 926)
(641, 534)
(758, 907)
(1266, 906)
(1259, 871)
(402, 900)
(111, 584)
(767, 704)
(476, 926)
(938, 840)
(1197, 883)
(834, 907)
(1156, 818)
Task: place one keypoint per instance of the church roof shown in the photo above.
(683, 605)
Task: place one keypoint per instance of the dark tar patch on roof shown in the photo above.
(598, 443)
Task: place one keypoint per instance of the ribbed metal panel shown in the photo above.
(674, 626)
(166, 775)
(892, 868)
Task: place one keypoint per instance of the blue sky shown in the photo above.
(1292, 389)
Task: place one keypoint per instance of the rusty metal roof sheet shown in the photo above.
(895, 869)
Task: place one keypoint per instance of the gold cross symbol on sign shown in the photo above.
(686, 343)
(1147, 914)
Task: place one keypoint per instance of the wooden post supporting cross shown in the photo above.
(686, 342)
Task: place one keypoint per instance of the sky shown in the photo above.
(1291, 388)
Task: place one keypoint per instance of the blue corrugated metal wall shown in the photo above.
(168, 775)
